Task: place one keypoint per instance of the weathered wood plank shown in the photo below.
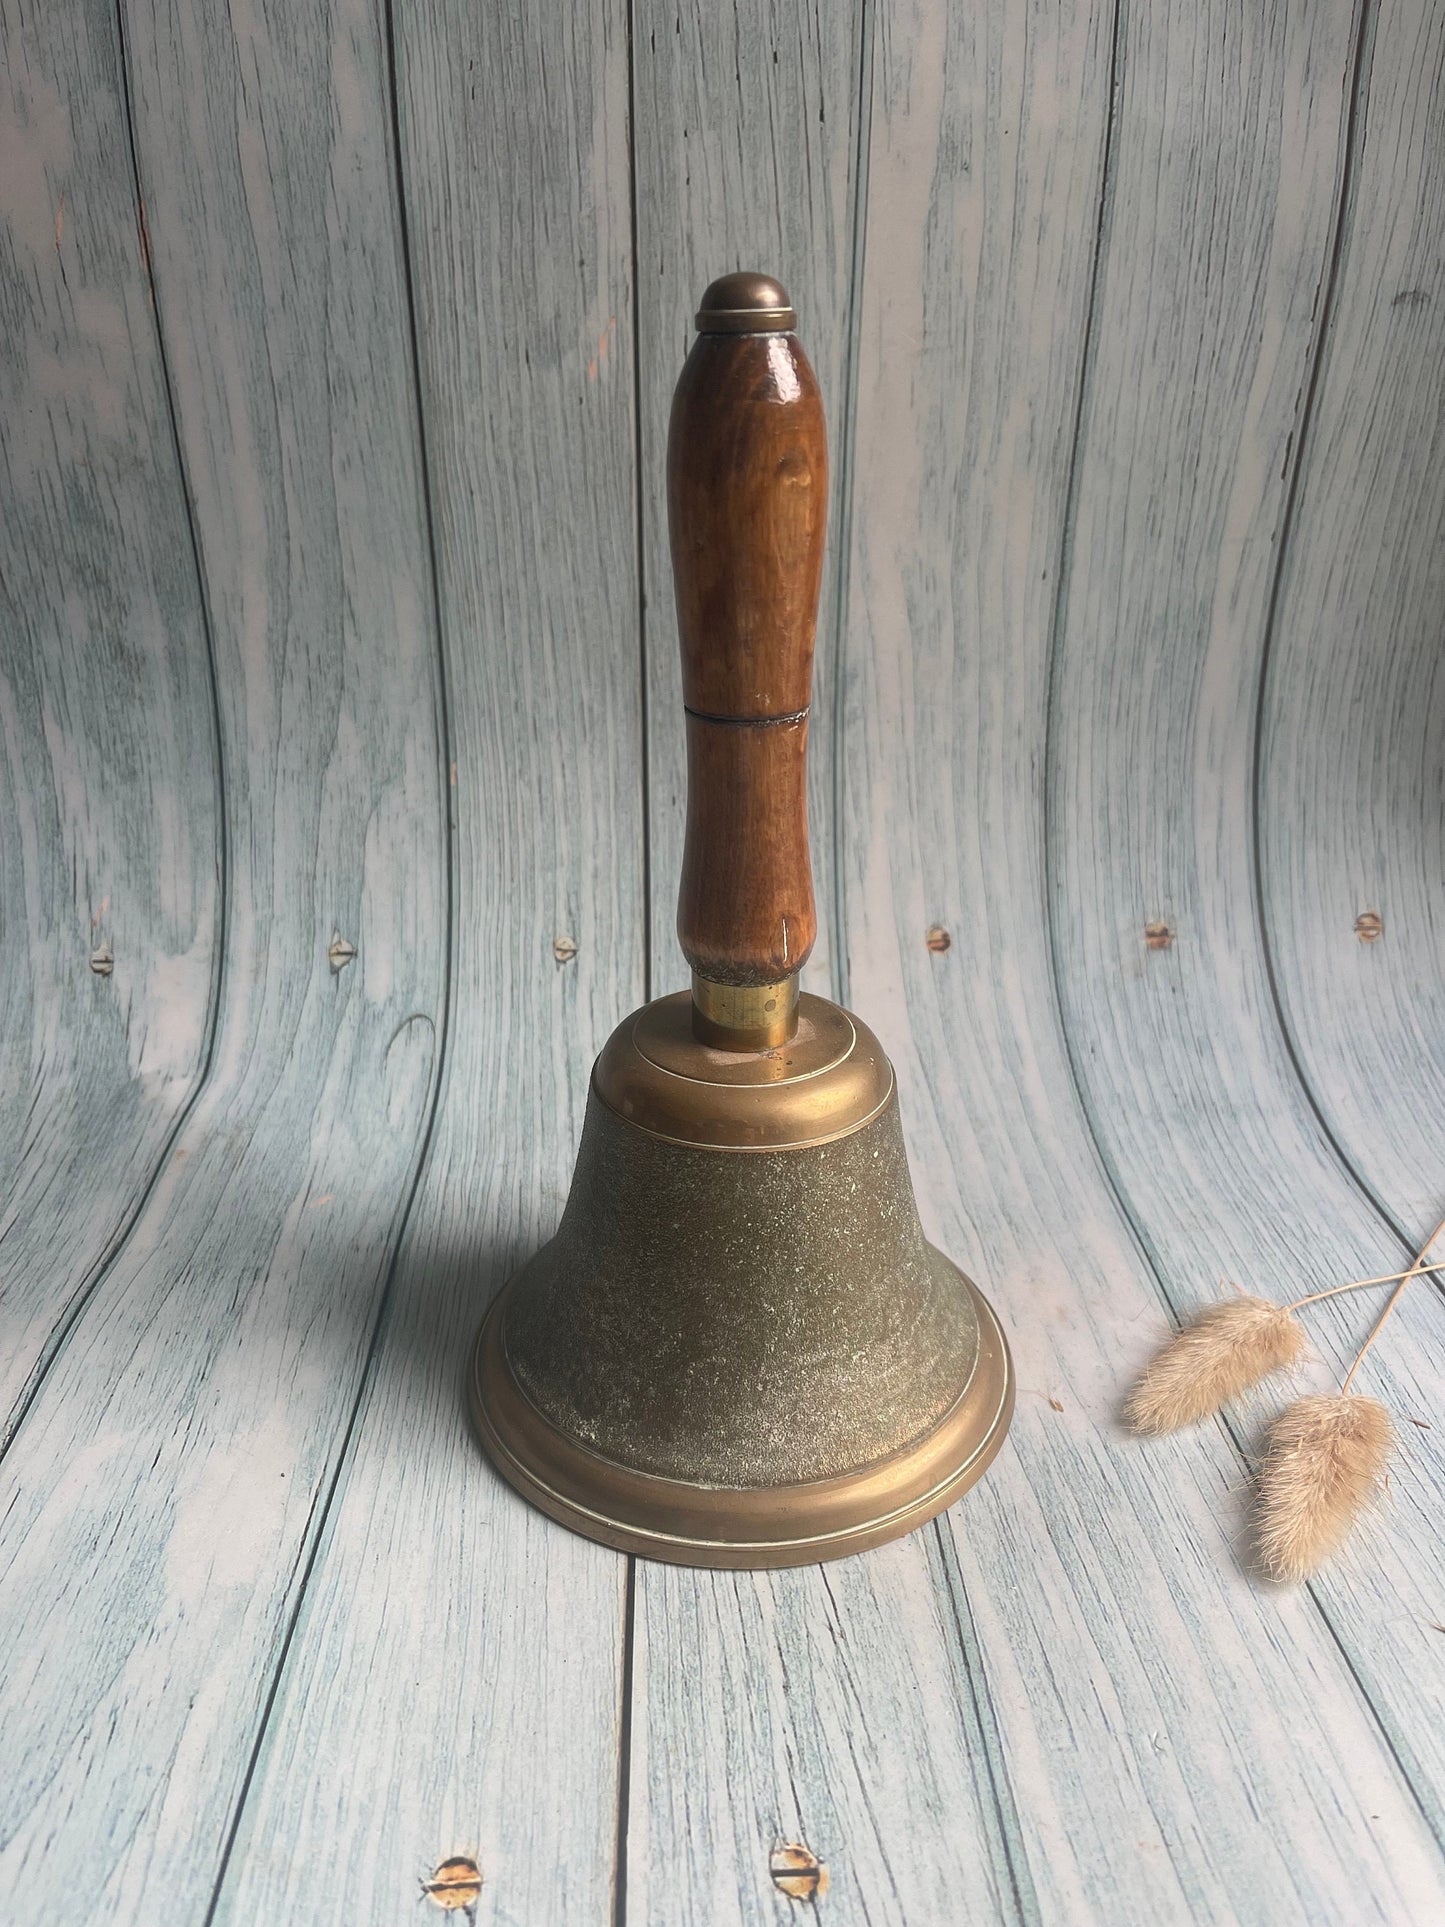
(160, 1497)
(818, 1705)
(1068, 1703)
(1151, 1705)
(1183, 471)
(107, 786)
(835, 1706)
(457, 1664)
(746, 129)
(1352, 763)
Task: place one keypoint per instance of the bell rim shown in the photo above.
(641, 1512)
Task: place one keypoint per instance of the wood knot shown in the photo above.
(455, 1884)
(339, 952)
(938, 939)
(1369, 926)
(564, 949)
(797, 1871)
(102, 960)
(1158, 935)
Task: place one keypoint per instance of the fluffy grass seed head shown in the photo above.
(1224, 1351)
(1325, 1464)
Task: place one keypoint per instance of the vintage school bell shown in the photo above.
(739, 1349)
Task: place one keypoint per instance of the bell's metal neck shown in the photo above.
(744, 1017)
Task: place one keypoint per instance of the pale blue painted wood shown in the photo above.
(1174, 1742)
(836, 1706)
(1066, 1703)
(1181, 487)
(161, 1497)
(108, 824)
(457, 1667)
(1352, 799)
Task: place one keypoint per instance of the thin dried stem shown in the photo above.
(1394, 1299)
(1359, 1284)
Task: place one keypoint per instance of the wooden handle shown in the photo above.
(747, 496)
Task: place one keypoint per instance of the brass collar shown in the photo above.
(830, 1078)
(745, 1017)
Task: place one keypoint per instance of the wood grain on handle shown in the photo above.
(747, 484)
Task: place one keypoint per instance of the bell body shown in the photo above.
(739, 1349)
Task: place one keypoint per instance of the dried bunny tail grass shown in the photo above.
(1217, 1355)
(1325, 1462)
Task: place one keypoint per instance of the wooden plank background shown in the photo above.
(341, 797)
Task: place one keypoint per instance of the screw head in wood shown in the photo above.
(455, 1884)
(797, 1871)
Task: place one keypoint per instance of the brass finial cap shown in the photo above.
(746, 304)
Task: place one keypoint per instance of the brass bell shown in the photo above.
(739, 1349)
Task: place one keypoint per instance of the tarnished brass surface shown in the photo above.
(745, 304)
(693, 1524)
(744, 1017)
(830, 1078)
(741, 1361)
(740, 1321)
